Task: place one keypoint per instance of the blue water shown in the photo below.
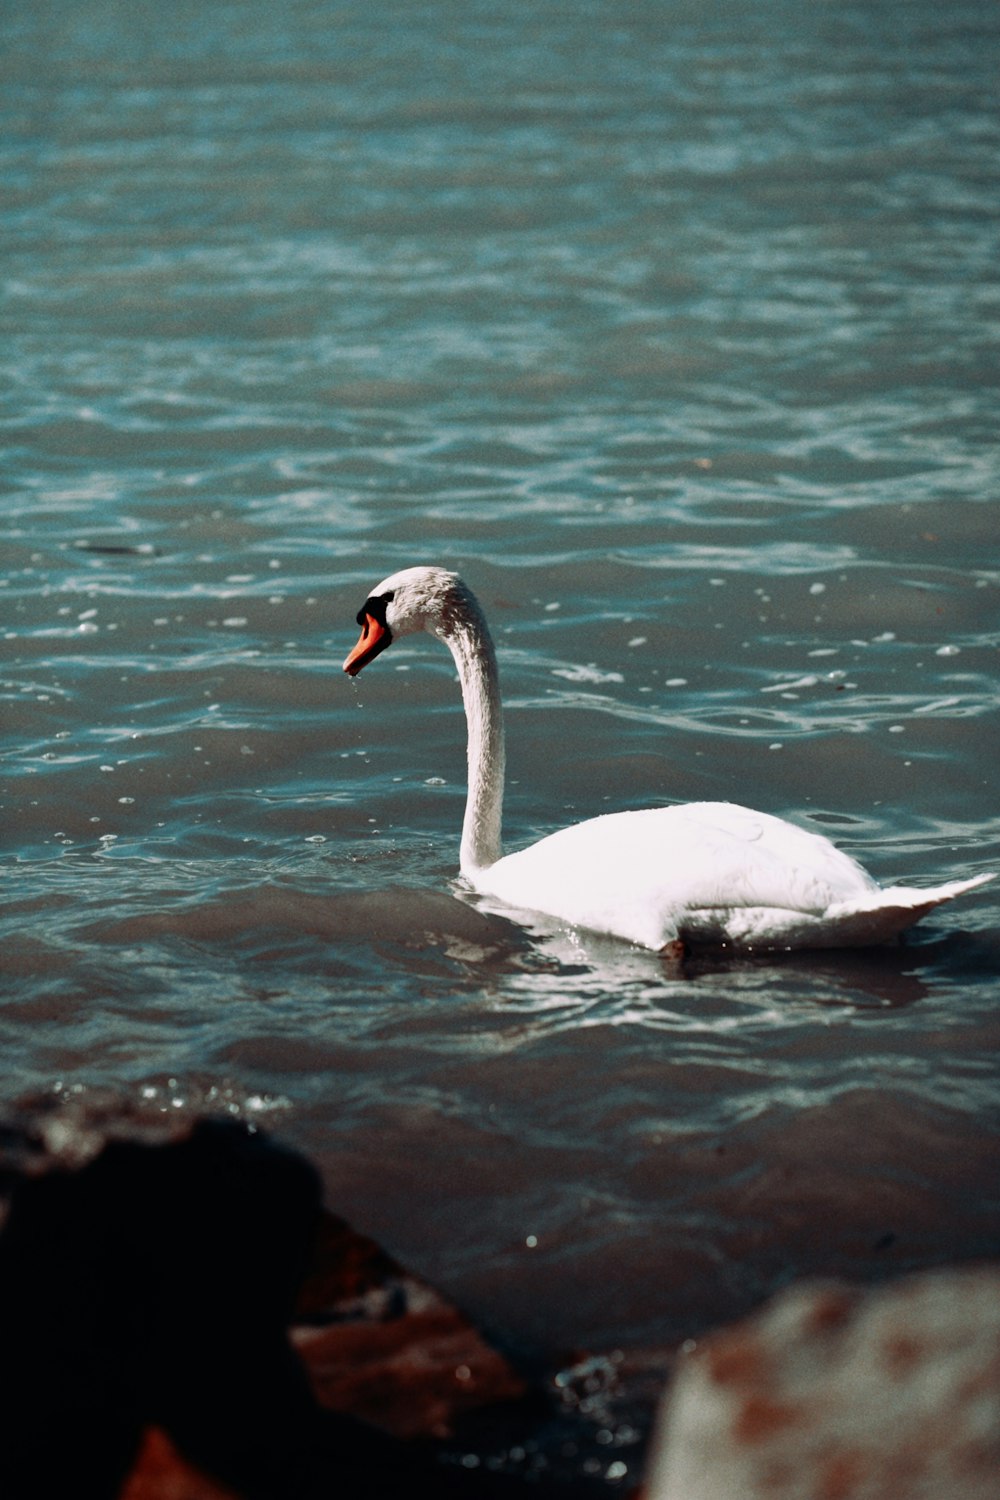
(674, 328)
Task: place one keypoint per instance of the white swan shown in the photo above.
(702, 871)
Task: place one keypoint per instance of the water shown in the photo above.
(674, 328)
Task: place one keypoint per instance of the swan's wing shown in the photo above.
(638, 873)
(703, 854)
(780, 863)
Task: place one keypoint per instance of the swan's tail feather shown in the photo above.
(887, 912)
(910, 897)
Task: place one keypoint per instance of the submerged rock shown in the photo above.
(835, 1394)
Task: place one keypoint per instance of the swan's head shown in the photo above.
(415, 599)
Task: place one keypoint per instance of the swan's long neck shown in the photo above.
(468, 638)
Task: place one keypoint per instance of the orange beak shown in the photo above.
(375, 636)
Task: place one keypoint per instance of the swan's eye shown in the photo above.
(375, 607)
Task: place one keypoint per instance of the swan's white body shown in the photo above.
(701, 871)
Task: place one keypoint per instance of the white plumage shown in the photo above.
(701, 871)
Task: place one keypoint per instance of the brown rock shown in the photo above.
(830, 1394)
(161, 1473)
(384, 1346)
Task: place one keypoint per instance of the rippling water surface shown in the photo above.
(674, 328)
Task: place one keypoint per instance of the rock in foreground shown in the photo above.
(832, 1394)
(149, 1273)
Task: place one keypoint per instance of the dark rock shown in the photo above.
(148, 1276)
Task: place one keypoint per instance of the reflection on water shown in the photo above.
(672, 331)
